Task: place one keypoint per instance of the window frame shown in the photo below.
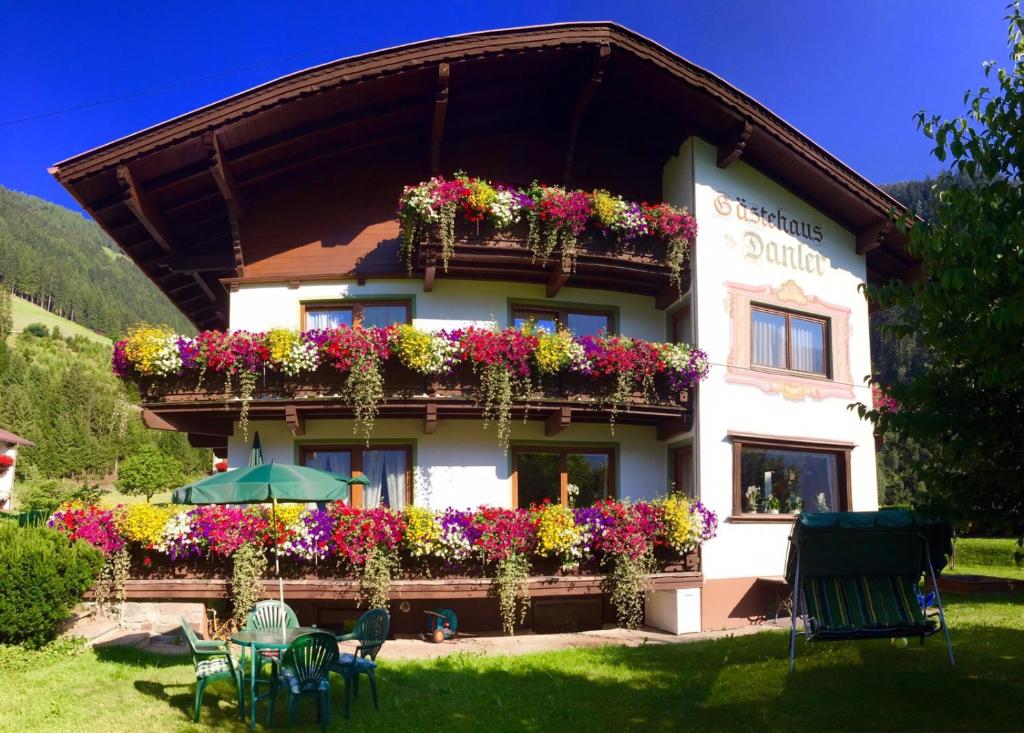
(789, 314)
(561, 313)
(563, 452)
(356, 449)
(841, 450)
(682, 476)
(356, 305)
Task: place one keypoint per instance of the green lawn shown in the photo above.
(993, 557)
(725, 685)
(25, 313)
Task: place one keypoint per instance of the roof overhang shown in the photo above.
(172, 195)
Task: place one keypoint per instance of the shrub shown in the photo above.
(37, 329)
(149, 471)
(43, 575)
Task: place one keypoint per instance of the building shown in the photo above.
(276, 208)
(9, 444)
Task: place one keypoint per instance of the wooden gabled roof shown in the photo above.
(172, 195)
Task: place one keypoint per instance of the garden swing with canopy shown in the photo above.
(856, 575)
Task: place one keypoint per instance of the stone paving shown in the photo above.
(414, 648)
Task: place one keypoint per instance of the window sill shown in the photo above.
(745, 518)
(790, 373)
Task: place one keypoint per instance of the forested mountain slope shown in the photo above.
(59, 260)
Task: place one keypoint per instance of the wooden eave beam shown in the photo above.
(730, 149)
(296, 421)
(223, 176)
(430, 418)
(667, 297)
(199, 262)
(227, 184)
(583, 100)
(871, 238)
(440, 113)
(140, 205)
(429, 273)
(185, 423)
(557, 421)
(216, 442)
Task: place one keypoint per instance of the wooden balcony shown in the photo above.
(209, 409)
(601, 262)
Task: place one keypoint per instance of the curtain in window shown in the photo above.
(326, 318)
(394, 473)
(808, 346)
(332, 461)
(382, 316)
(373, 469)
(769, 340)
(831, 485)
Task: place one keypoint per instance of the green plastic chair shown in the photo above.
(305, 670)
(213, 662)
(371, 630)
(267, 615)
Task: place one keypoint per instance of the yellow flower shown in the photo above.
(281, 342)
(557, 533)
(481, 195)
(607, 208)
(143, 523)
(422, 531)
(144, 344)
(682, 528)
(553, 351)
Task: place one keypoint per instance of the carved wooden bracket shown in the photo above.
(871, 238)
(430, 419)
(429, 273)
(557, 421)
(295, 420)
(558, 278)
(732, 147)
(673, 428)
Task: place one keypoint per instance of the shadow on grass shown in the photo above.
(722, 685)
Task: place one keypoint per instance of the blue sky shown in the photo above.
(848, 74)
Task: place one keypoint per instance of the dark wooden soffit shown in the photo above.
(469, 46)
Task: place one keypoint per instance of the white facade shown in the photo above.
(7, 477)
(786, 254)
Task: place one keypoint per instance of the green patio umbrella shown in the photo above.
(256, 452)
(271, 482)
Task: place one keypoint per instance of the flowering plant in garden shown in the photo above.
(142, 524)
(5, 462)
(686, 523)
(508, 362)
(458, 536)
(422, 532)
(882, 401)
(90, 523)
(557, 217)
(357, 532)
(558, 535)
(310, 536)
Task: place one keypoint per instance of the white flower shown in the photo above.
(168, 359)
(303, 357)
(504, 209)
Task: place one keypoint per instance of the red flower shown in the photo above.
(5, 462)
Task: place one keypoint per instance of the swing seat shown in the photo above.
(855, 575)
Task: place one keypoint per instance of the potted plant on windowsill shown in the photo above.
(796, 504)
(772, 505)
(753, 496)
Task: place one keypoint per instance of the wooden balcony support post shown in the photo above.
(430, 418)
(557, 421)
(295, 420)
(583, 100)
(666, 298)
(730, 149)
(440, 112)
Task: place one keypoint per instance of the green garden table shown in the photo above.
(254, 641)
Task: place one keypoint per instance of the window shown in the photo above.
(786, 477)
(682, 326)
(349, 313)
(790, 341)
(387, 467)
(580, 322)
(573, 476)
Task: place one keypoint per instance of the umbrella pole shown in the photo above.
(277, 566)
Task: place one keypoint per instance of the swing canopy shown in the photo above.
(883, 543)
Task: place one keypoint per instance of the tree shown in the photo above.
(149, 471)
(6, 315)
(965, 403)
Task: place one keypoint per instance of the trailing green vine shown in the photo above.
(380, 568)
(364, 390)
(246, 388)
(627, 584)
(249, 563)
(512, 587)
(110, 591)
